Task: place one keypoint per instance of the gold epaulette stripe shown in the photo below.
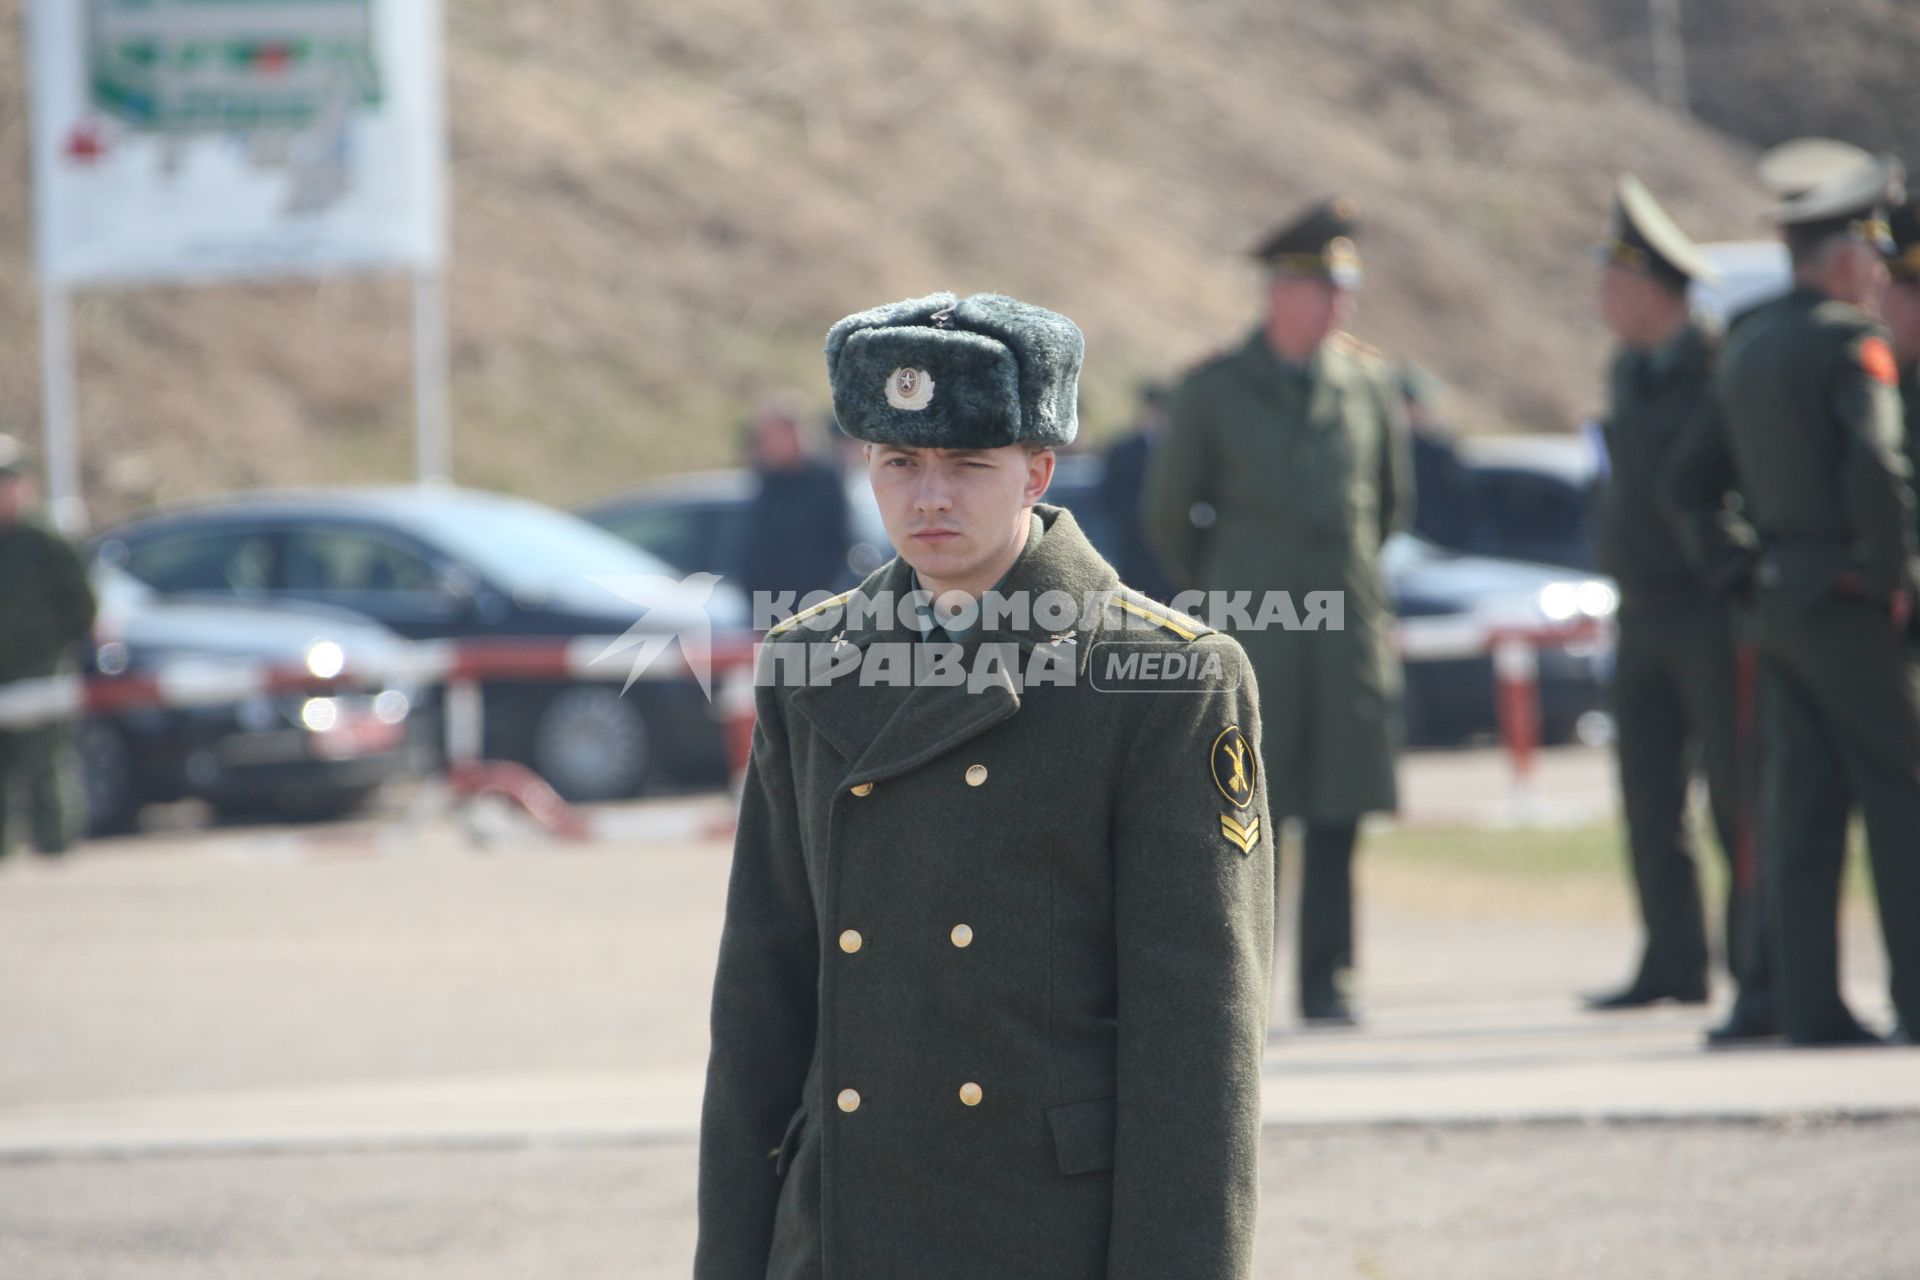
(1158, 620)
(804, 614)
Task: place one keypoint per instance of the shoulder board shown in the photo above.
(1347, 344)
(1147, 609)
(804, 614)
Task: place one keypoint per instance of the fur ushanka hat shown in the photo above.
(944, 373)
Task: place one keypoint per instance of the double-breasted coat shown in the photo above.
(1300, 478)
(992, 988)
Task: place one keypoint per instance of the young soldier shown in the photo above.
(1812, 446)
(1675, 675)
(1295, 447)
(992, 987)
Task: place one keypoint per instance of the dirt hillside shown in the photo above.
(658, 209)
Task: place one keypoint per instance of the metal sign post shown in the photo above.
(62, 462)
(432, 431)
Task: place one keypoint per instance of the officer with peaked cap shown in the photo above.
(1285, 465)
(992, 989)
(1811, 444)
(1675, 689)
(46, 609)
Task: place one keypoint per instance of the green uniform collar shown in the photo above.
(930, 626)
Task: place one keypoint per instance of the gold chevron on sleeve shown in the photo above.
(1242, 836)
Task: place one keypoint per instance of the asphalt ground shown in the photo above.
(375, 1049)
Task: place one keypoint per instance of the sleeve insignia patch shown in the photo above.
(1241, 836)
(1876, 357)
(1234, 766)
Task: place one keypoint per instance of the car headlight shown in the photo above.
(1596, 599)
(320, 714)
(325, 659)
(1565, 601)
(1559, 601)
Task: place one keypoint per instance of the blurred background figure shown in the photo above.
(1444, 513)
(46, 609)
(796, 537)
(1121, 485)
(1676, 685)
(1901, 310)
(1295, 444)
(1812, 447)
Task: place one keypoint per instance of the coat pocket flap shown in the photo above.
(789, 1143)
(1083, 1135)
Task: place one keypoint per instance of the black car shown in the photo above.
(442, 563)
(1449, 700)
(297, 753)
(1531, 498)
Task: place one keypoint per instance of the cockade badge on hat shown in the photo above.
(910, 389)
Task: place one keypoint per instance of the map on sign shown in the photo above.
(202, 138)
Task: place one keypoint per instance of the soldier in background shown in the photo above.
(1675, 684)
(1284, 468)
(797, 531)
(46, 608)
(1119, 495)
(1811, 445)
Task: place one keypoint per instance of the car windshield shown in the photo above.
(524, 546)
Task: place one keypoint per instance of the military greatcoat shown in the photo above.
(1297, 477)
(992, 990)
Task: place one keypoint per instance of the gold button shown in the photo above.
(850, 941)
(976, 774)
(864, 789)
(849, 1100)
(962, 935)
(970, 1094)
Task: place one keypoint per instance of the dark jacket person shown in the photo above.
(1811, 444)
(1675, 686)
(992, 988)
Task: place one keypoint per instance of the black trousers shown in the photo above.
(1842, 710)
(1679, 707)
(1326, 912)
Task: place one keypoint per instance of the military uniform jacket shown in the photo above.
(1304, 478)
(992, 988)
(1654, 403)
(46, 604)
(1812, 438)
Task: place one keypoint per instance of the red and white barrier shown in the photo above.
(1516, 674)
(462, 667)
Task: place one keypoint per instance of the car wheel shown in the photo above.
(106, 768)
(589, 743)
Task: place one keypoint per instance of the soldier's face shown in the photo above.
(1901, 310)
(1859, 275)
(1303, 312)
(1617, 301)
(957, 515)
(1636, 307)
